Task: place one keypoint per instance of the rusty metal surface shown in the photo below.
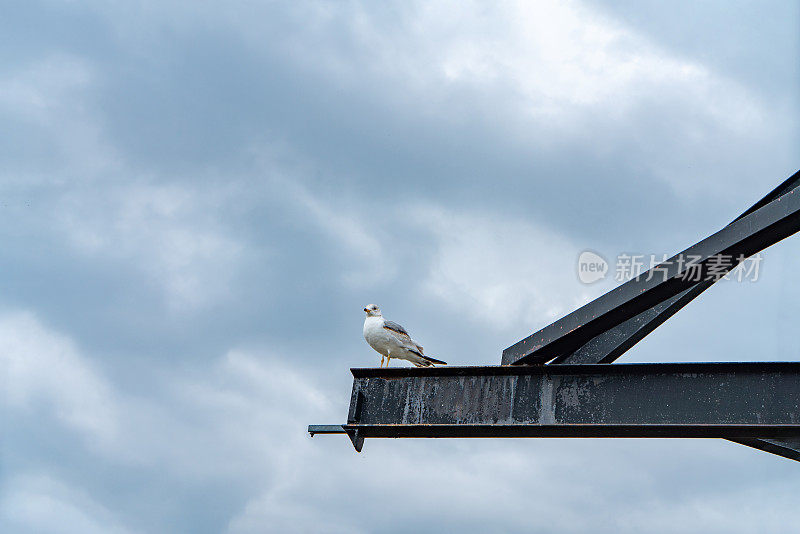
(632, 400)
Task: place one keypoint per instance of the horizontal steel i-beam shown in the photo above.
(723, 400)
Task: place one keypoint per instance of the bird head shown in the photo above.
(372, 310)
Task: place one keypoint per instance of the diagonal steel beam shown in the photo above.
(613, 343)
(788, 447)
(607, 346)
(763, 225)
(786, 186)
(610, 345)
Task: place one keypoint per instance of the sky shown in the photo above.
(197, 199)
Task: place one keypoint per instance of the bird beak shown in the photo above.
(365, 309)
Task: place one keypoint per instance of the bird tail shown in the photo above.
(428, 361)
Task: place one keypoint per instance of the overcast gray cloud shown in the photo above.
(188, 188)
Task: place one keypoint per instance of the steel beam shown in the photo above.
(613, 343)
(714, 400)
(754, 404)
(788, 447)
(607, 346)
(610, 345)
(763, 225)
(787, 185)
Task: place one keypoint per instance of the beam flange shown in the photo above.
(326, 429)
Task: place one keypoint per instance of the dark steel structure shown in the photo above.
(633, 400)
(574, 395)
(754, 231)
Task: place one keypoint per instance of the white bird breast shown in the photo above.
(378, 338)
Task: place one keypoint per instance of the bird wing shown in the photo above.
(393, 326)
(402, 335)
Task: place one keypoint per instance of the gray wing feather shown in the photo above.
(402, 335)
(391, 325)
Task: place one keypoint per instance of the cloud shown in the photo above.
(58, 136)
(172, 233)
(355, 226)
(443, 156)
(537, 79)
(480, 485)
(734, 510)
(510, 273)
(105, 208)
(251, 402)
(43, 369)
(43, 505)
(240, 423)
(559, 61)
(564, 58)
(243, 399)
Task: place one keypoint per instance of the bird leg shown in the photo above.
(387, 360)
(382, 357)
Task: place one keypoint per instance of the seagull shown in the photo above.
(392, 341)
